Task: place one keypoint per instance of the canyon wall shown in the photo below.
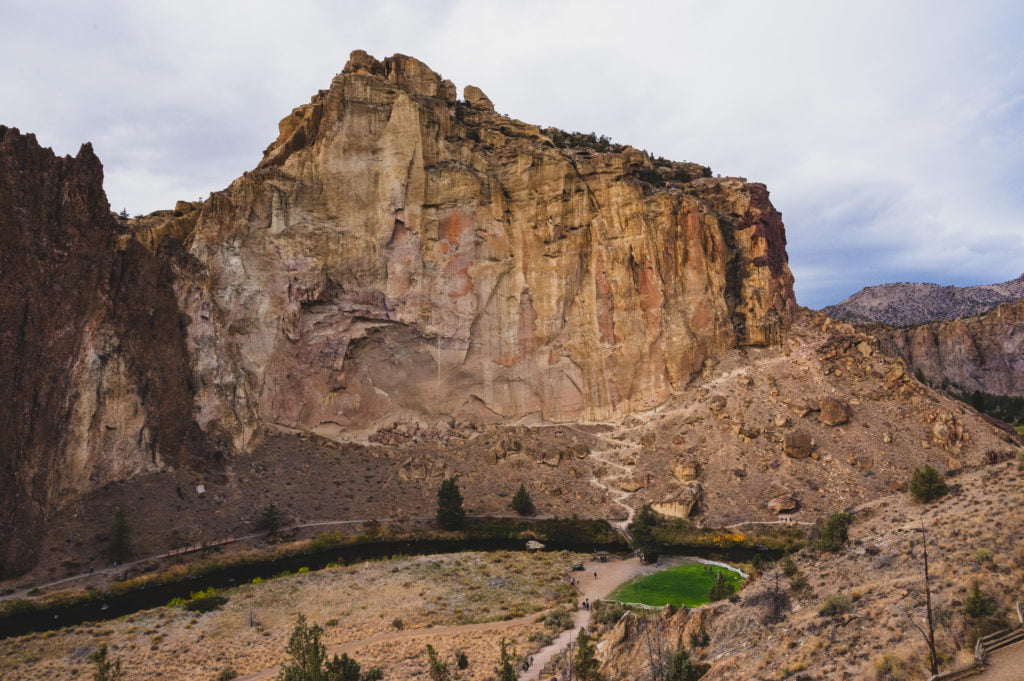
(93, 363)
(400, 254)
(983, 353)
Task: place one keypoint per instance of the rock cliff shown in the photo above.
(93, 365)
(400, 254)
(978, 353)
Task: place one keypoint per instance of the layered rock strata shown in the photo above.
(400, 254)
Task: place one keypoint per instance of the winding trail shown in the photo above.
(609, 576)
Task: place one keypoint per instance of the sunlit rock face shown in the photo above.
(400, 254)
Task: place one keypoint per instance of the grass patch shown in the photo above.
(686, 584)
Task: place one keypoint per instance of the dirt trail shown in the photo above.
(609, 576)
(1006, 664)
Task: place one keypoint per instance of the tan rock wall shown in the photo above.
(399, 255)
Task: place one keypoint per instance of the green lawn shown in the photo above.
(686, 584)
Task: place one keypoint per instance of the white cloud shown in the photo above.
(888, 133)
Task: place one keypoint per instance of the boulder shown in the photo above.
(685, 470)
(632, 484)
(476, 98)
(798, 444)
(784, 503)
(682, 503)
(833, 412)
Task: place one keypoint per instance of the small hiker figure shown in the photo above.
(595, 575)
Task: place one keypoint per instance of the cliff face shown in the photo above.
(399, 254)
(93, 369)
(983, 353)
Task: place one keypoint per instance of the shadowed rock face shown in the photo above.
(93, 366)
(983, 353)
(399, 255)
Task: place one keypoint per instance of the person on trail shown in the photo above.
(595, 574)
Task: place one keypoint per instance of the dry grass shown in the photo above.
(361, 601)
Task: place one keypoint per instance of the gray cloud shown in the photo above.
(889, 133)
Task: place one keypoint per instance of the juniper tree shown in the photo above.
(450, 514)
(522, 503)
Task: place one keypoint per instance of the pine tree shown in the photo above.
(585, 660)
(833, 532)
(522, 503)
(927, 485)
(721, 589)
(681, 668)
(438, 669)
(642, 531)
(977, 604)
(450, 514)
(120, 536)
(310, 663)
(270, 519)
(506, 670)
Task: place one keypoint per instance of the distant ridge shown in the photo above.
(905, 304)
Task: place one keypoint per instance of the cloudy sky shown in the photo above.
(889, 133)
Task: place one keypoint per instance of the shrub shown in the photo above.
(227, 673)
(927, 485)
(270, 519)
(788, 567)
(558, 619)
(461, 661)
(835, 604)
(522, 503)
(721, 589)
(834, 532)
(982, 555)
(397, 623)
(607, 612)
(450, 513)
(205, 601)
(120, 536)
(107, 668)
(977, 604)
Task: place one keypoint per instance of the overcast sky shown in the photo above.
(889, 133)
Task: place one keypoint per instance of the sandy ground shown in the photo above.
(1005, 665)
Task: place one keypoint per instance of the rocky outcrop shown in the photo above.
(399, 254)
(984, 353)
(94, 373)
(906, 304)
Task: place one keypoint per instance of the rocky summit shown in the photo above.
(399, 255)
(906, 304)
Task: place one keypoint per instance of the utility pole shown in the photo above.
(934, 662)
